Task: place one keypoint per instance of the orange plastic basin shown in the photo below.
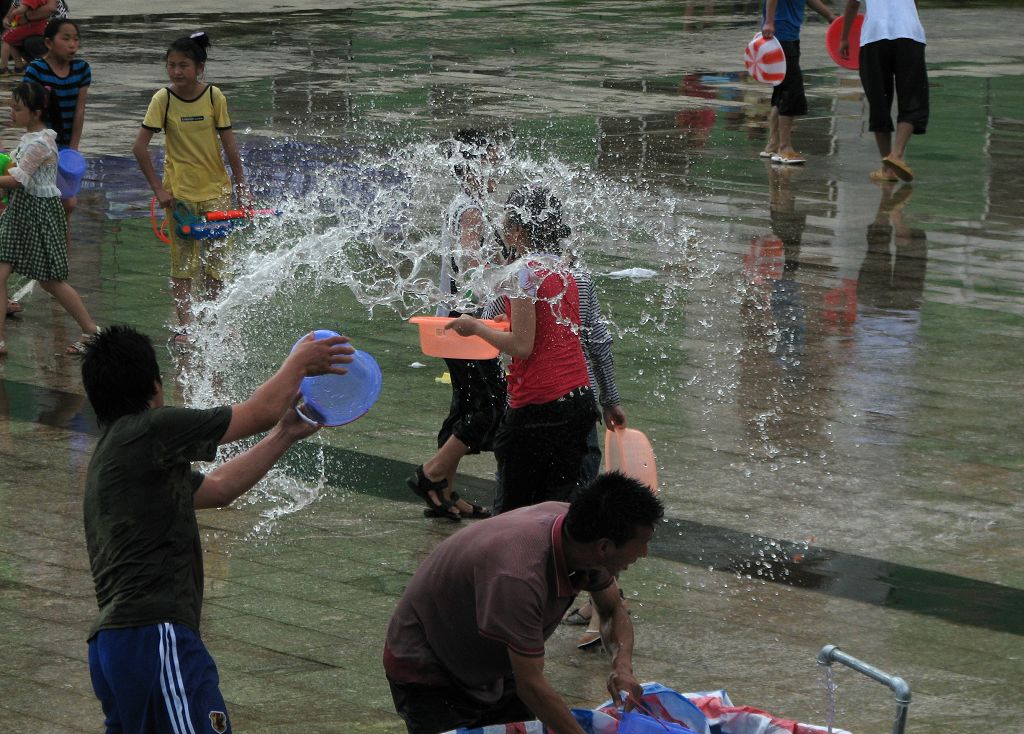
(436, 342)
(627, 450)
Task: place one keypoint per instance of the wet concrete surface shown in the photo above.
(833, 394)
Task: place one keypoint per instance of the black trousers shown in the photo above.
(540, 449)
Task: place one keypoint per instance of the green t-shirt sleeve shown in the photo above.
(197, 480)
(188, 434)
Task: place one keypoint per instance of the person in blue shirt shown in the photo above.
(782, 20)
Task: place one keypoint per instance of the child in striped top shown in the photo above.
(65, 75)
(68, 79)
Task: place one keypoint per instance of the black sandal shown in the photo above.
(478, 513)
(422, 486)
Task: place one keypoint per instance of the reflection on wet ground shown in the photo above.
(953, 598)
(832, 384)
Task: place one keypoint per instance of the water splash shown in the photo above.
(364, 226)
(831, 689)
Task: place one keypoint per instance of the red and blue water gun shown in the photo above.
(212, 225)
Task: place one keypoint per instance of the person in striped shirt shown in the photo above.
(596, 341)
(68, 77)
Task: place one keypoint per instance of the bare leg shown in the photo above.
(69, 206)
(5, 56)
(5, 273)
(213, 288)
(903, 132)
(786, 134)
(773, 131)
(592, 635)
(894, 161)
(181, 289)
(884, 143)
(68, 297)
(443, 465)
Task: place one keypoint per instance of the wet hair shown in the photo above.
(539, 212)
(194, 47)
(466, 145)
(38, 98)
(119, 372)
(54, 26)
(613, 506)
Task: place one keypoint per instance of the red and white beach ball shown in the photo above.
(765, 60)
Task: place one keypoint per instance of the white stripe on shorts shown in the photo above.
(171, 683)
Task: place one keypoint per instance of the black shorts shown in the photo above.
(895, 66)
(789, 95)
(433, 709)
(478, 402)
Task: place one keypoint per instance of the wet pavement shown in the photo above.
(828, 369)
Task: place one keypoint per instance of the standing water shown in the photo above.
(827, 368)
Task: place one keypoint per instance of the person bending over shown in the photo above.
(465, 645)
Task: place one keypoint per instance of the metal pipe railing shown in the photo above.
(900, 688)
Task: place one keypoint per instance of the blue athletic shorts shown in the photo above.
(157, 679)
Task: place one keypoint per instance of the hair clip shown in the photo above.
(197, 34)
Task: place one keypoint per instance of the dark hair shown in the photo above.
(54, 26)
(38, 98)
(613, 506)
(539, 212)
(120, 372)
(466, 145)
(194, 47)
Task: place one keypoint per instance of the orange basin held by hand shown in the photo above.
(627, 450)
(435, 341)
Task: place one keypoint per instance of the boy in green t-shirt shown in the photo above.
(148, 664)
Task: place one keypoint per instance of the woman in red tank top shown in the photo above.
(541, 441)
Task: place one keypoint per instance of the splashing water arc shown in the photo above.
(367, 229)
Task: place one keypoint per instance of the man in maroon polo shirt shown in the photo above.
(465, 646)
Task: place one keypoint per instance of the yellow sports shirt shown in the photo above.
(193, 168)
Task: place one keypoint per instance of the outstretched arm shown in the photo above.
(543, 700)
(265, 406)
(518, 342)
(235, 477)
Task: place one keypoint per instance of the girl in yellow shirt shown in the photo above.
(193, 115)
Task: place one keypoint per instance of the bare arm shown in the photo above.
(235, 477)
(471, 234)
(265, 406)
(768, 28)
(822, 9)
(230, 145)
(79, 121)
(617, 637)
(141, 151)
(9, 182)
(518, 342)
(848, 15)
(538, 695)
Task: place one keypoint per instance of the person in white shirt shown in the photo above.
(892, 44)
